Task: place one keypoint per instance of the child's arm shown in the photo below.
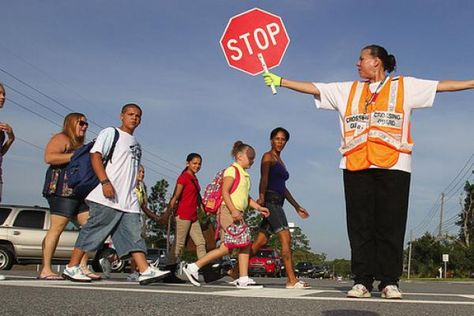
(178, 190)
(226, 186)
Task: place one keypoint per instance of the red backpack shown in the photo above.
(212, 198)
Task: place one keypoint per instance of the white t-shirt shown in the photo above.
(418, 93)
(121, 170)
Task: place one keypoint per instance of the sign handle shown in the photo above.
(265, 69)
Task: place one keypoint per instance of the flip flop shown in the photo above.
(90, 274)
(301, 285)
(50, 277)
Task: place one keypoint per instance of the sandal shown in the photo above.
(50, 277)
(299, 285)
(88, 273)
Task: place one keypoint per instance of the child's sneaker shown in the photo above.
(192, 273)
(358, 291)
(106, 267)
(250, 284)
(151, 275)
(75, 274)
(391, 292)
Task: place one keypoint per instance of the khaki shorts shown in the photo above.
(225, 218)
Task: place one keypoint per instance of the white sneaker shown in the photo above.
(151, 275)
(358, 291)
(250, 281)
(391, 292)
(193, 276)
(75, 274)
(2, 277)
(250, 284)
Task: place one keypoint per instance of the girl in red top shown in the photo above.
(187, 197)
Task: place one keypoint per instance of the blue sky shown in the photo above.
(95, 56)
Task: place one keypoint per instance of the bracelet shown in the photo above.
(105, 181)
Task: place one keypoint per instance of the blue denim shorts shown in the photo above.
(66, 206)
(277, 221)
(123, 227)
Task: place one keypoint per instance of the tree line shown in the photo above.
(427, 251)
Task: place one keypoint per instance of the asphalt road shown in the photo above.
(22, 294)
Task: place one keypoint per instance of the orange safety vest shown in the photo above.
(374, 131)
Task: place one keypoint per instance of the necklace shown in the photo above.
(373, 96)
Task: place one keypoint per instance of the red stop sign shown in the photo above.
(253, 32)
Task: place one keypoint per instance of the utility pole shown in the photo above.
(441, 217)
(409, 254)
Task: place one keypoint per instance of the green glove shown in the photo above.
(271, 79)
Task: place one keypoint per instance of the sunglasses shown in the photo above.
(83, 123)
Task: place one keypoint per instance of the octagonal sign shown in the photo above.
(250, 34)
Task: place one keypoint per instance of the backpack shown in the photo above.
(81, 177)
(212, 198)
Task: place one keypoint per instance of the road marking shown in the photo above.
(232, 292)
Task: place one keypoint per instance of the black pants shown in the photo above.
(376, 206)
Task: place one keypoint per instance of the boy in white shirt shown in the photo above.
(114, 207)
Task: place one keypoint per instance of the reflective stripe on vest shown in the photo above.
(377, 137)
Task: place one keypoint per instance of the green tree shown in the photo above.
(466, 217)
(155, 234)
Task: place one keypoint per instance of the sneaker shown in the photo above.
(2, 277)
(391, 292)
(358, 291)
(250, 284)
(193, 276)
(106, 267)
(75, 274)
(133, 277)
(151, 275)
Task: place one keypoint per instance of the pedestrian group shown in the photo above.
(376, 148)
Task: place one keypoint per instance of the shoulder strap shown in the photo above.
(112, 148)
(197, 192)
(236, 182)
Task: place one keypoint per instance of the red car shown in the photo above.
(266, 262)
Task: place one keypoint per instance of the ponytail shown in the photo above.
(239, 147)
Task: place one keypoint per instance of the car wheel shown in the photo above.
(117, 265)
(6, 258)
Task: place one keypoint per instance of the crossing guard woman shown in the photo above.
(376, 151)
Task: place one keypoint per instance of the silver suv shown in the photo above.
(22, 229)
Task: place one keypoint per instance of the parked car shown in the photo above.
(321, 271)
(22, 229)
(305, 269)
(266, 262)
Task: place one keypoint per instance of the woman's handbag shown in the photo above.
(237, 236)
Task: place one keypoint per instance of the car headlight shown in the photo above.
(269, 261)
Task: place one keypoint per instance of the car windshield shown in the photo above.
(264, 254)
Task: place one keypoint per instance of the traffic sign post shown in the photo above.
(254, 41)
(445, 260)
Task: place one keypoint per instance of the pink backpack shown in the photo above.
(212, 197)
